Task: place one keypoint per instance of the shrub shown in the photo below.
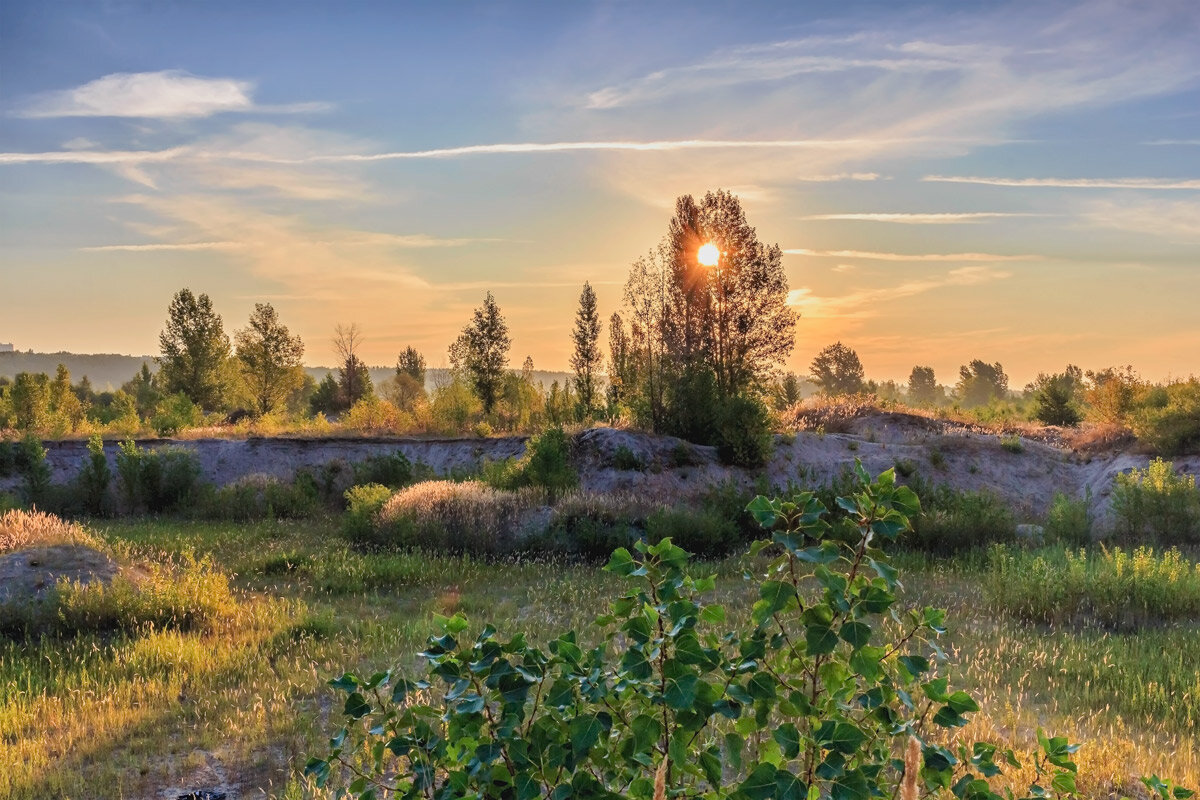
(443, 516)
(94, 478)
(590, 525)
(1116, 588)
(626, 460)
(394, 470)
(1169, 420)
(953, 522)
(1069, 521)
(683, 455)
(253, 497)
(32, 464)
(1012, 444)
(158, 480)
(702, 532)
(1156, 504)
(813, 695)
(174, 414)
(8, 458)
(744, 432)
(362, 504)
(546, 464)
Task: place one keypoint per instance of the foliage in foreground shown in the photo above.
(827, 691)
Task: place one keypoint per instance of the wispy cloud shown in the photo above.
(504, 148)
(909, 257)
(1167, 142)
(1072, 183)
(921, 219)
(103, 248)
(1170, 220)
(768, 63)
(869, 302)
(159, 95)
(840, 176)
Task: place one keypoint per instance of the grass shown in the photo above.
(136, 713)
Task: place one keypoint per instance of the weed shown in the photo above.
(1012, 444)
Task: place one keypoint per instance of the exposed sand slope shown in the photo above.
(938, 451)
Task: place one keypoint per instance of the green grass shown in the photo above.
(134, 713)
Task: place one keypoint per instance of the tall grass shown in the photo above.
(1114, 588)
(468, 517)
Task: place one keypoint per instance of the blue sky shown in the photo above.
(1009, 181)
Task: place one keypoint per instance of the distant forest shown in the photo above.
(107, 371)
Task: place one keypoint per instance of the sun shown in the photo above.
(709, 255)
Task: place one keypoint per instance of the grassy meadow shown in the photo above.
(132, 713)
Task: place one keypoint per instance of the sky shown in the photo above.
(1016, 182)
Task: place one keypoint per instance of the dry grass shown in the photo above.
(22, 529)
(468, 517)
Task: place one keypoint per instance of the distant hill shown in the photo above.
(107, 371)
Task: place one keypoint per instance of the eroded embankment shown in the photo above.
(1026, 473)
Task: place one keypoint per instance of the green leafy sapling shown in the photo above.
(821, 692)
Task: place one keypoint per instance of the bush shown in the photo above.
(174, 414)
(589, 525)
(674, 697)
(8, 458)
(1156, 504)
(362, 504)
(701, 532)
(394, 470)
(626, 460)
(94, 478)
(255, 497)
(1169, 420)
(1012, 444)
(953, 522)
(546, 465)
(744, 432)
(32, 464)
(159, 480)
(443, 516)
(1116, 588)
(1069, 521)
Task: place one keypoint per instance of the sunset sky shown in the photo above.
(1018, 182)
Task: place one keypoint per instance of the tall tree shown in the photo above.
(408, 384)
(481, 350)
(922, 386)
(621, 377)
(733, 314)
(837, 370)
(354, 382)
(980, 382)
(194, 350)
(270, 358)
(587, 358)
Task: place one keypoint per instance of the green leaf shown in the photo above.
(763, 511)
(819, 639)
(845, 739)
(681, 691)
(760, 783)
(584, 731)
(789, 786)
(856, 634)
(621, 563)
(788, 738)
(962, 702)
(775, 597)
(357, 706)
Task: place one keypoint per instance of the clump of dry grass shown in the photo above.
(605, 507)
(469, 517)
(22, 529)
(828, 414)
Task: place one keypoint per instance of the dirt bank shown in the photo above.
(1027, 474)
